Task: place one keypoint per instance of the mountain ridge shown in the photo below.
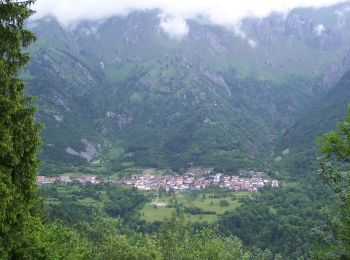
(123, 94)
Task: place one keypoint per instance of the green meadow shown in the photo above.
(204, 206)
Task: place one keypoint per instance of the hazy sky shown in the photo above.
(174, 13)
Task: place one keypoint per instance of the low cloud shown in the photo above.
(342, 12)
(252, 43)
(174, 14)
(319, 29)
(175, 27)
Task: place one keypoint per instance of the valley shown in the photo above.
(200, 194)
(211, 136)
(205, 206)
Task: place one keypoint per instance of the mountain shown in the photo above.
(119, 93)
(300, 139)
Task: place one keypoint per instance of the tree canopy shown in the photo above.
(334, 170)
(19, 141)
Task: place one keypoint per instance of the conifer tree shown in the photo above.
(335, 172)
(19, 141)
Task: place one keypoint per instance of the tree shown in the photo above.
(107, 242)
(334, 170)
(178, 240)
(19, 141)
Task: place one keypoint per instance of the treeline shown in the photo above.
(284, 220)
(73, 203)
(101, 239)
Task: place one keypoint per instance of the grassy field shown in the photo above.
(197, 206)
(205, 201)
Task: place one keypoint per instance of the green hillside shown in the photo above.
(120, 93)
(300, 139)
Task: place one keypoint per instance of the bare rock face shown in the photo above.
(336, 70)
(61, 103)
(314, 34)
(120, 119)
(71, 151)
(217, 79)
(90, 152)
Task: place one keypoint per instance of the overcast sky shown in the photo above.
(174, 13)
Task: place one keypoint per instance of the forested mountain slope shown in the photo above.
(300, 139)
(120, 92)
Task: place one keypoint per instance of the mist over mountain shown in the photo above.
(119, 92)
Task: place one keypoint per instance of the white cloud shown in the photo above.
(174, 13)
(175, 27)
(342, 12)
(319, 29)
(252, 43)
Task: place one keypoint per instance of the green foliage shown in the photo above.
(337, 143)
(75, 203)
(282, 219)
(19, 140)
(224, 203)
(101, 239)
(108, 243)
(319, 119)
(334, 170)
(179, 241)
(52, 241)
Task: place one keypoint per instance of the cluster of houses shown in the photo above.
(246, 181)
(250, 181)
(41, 180)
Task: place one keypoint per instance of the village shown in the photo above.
(42, 180)
(249, 181)
(246, 181)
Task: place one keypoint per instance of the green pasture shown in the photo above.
(206, 201)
